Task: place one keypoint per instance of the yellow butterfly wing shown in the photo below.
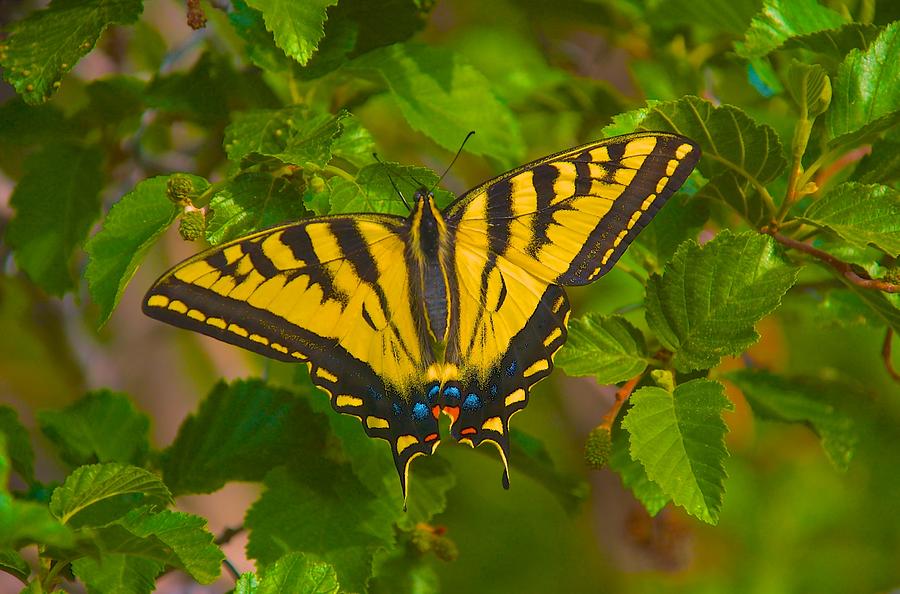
(517, 239)
(333, 292)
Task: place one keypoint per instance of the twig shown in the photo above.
(839, 265)
(231, 569)
(886, 355)
(622, 394)
(228, 534)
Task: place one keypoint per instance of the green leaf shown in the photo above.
(445, 98)
(802, 400)
(719, 15)
(56, 202)
(779, 20)
(836, 43)
(706, 303)
(133, 225)
(117, 573)
(632, 473)
(103, 426)
(26, 522)
(866, 96)
(12, 563)
(683, 218)
(292, 134)
(47, 44)
(810, 87)
(247, 584)
(18, 445)
(608, 348)
(260, 43)
(296, 573)
(105, 490)
(861, 214)
(239, 433)
(882, 165)
(251, 202)
(186, 535)
(679, 439)
(318, 506)
(297, 26)
(372, 190)
(737, 151)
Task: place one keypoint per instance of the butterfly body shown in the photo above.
(456, 311)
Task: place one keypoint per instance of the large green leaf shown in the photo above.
(56, 202)
(836, 43)
(297, 26)
(118, 573)
(679, 439)
(372, 190)
(18, 445)
(861, 214)
(740, 156)
(296, 573)
(608, 348)
(866, 93)
(802, 400)
(250, 425)
(632, 472)
(105, 491)
(444, 97)
(250, 202)
(26, 522)
(318, 506)
(133, 225)
(706, 303)
(103, 426)
(683, 218)
(47, 44)
(779, 20)
(292, 134)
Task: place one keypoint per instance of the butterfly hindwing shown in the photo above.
(325, 291)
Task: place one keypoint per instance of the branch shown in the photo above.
(886, 355)
(622, 395)
(840, 266)
(228, 534)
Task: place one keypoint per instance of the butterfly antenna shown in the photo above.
(458, 153)
(391, 179)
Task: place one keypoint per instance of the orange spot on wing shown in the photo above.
(452, 412)
(431, 437)
(469, 431)
(436, 411)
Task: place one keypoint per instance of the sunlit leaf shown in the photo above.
(861, 214)
(779, 20)
(297, 26)
(608, 348)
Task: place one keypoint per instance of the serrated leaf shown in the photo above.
(779, 20)
(372, 190)
(133, 225)
(25, 522)
(56, 201)
(292, 134)
(861, 214)
(866, 96)
(248, 424)
(810, 87)
(250, 202)
(836, 43)
(260, 43)
(186, 535)
(117, 573)
(18, 445)
(608, 348)
(737, 151)
(296, 573)
(47, 44)
(248, 583)
(442, 96)
(706, 303)
(802, 400)
(103, 426)
(679, 439)
(882, 165)
(297, 26)
(632, 473)
(683, 219)
(102, 486)
(318, 506)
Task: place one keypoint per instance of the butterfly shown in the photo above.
(456, 311)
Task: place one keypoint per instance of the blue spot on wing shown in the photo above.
(452, 391)
(472, 401)
(511, 370)
(396, 408)
(419, 411)
(433, 392)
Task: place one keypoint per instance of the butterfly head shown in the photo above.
(424, 195)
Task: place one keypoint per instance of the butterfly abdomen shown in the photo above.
(428, 236)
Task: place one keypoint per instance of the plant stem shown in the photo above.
(622, 395)
(886, 355)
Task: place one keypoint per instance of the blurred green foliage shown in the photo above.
(781, 249)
